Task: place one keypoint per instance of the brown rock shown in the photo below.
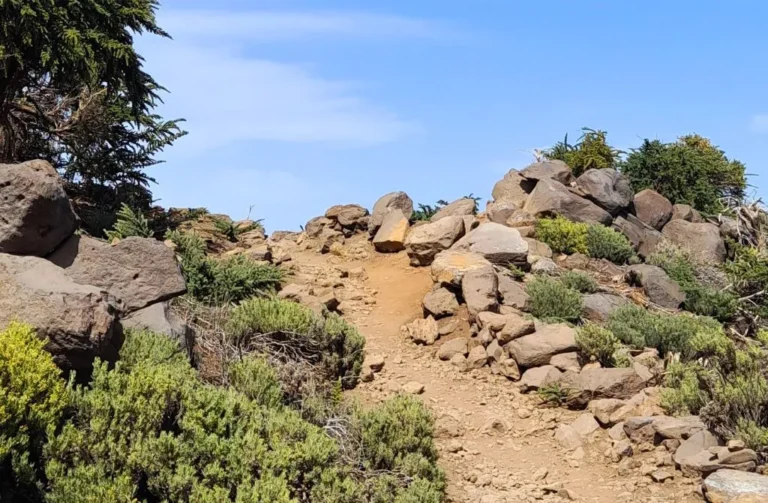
(513, 188)
(513, 293)
(496, 243)
(448, 349)
(607, 383)
(693, 445)
(548, 170)
(458, 208)
(392, 201)
(538, 348)
(685, 212)
(539, 377)
(566, 361)
(598, 306)
(644, 238)
(35, 213)
(423, 331)
(659, 288)
(515, 326)
(440, 303)
(702, 240)
(552, 198)
(500, 211)
(568, 437)
(390, 237)
(652, 208)
(480, 288)
(732, 486)
(477, 357)
(314, 227)
(603, 408)
(136, 271)
(607, 188)
(449, 267)
(509, 369)
(424, 242)
(348, 215)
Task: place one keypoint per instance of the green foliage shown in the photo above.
(129, 223)
(604, 242)
(232, 230)
(562, 235)
(682, 395)
(296, 332)
(598, 342)
(700, 299)
(639, 328)
(32, 399)
(579, 281)
(553, 394)
(590, 152)
(516, 272)
(219, 281)
(424, 212)
(255, 378)
(748, 271)
(690, 170)
(551, 299)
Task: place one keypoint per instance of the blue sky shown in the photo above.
(293, 106)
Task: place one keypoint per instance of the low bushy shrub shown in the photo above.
(597, 342)
(552, 300)
(640, 328)
(562, 235)
(129, 223)
(254, 377)
(579, 281)
(604, 242)
(226, 280)
(32, 399)
(296, 333)
(590, 152)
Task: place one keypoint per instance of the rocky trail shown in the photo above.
(496, 443)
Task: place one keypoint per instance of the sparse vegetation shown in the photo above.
(597, 342)
(129, 223)
(562, 235)
(552, 300)
(579, 281)
(554, 394)
(604, 242)
(590, 152)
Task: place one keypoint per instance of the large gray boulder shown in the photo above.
(137, 271)
(644, 238)
(390, 237)
(548, 170)
(424, 242)
(440, 303)
(497, 243)
(393, 200)
(513, 293)
(537, 349)
(735, 486)
(35, 213)
(500, 211)
(597, 383)
(79, 321)
(450, 266)
(598, 306)
(702, 240)
(459, 208)
(607, 188)
(513, 188)
(658, 286)
(480, 289)
(551, 198)
(348, 218)
(652, 208)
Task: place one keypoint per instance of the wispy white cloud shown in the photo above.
(261, 26)
(760, 123)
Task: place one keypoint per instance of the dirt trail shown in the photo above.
(496, 444)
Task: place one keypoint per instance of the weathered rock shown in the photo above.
(585, 424)
(596, 383)
(513, 293)
(645, 403)
(328, 238)
(679, 428)
(732, 486)
(349, 216)
(477, 357)
(685, 212)
(640, 429)
(314, 227)
(693, 445)
(160, 319)
(495, 352)
(544, 266)
(727, 457)
(423, 331)
(484, 337)
(282, 251)
(497, 243)
(252, 238)
(515, 327)
(659, 288)
(553, 198)
(459, 208)
(509, 369)
(500, 211)
(449, 267)
(729, 227)
(538, 377)
(566, 361)
(413, 388)
(538, 249)
(538, 348)
(598, 306)
(702, 240)
(78, 321)
(448, 349)
(643, 237)
(548, 170)
(480, 288)
(374, 362)
(35, 213)
(440, 303)
(568, 437)
(460, 362)
(493, 321)
(390, 237)
(392, 201)
(424, 242)
(607, 188)
(513, 188)
(652, 208)
(447, 326)
(616, 432)
(602, 408)
(137, 271)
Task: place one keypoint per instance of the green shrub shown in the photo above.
(598, 342)
(682, 395)
(255, 378)
(296, 332)
(748, 271)
(604, 242)
(562, 235)
(220, 281)
(552, 300)
(579, 281)
(553, 394)
(32, 399)
(690, 170)
(128, 224)
(639, 328)
(232, 230)
(591, 151)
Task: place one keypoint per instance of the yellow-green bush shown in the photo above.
(598, 342)
(32, 399)
(553, 301)
(579, 281)
(562, 235)
(254, 377)
(604, 242)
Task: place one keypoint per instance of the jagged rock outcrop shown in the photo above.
(136, 271)
(702, 240)
(348, 218)
(551, 198)
(607, 188)
(513, 188)
(35, 213)
(79, 321)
